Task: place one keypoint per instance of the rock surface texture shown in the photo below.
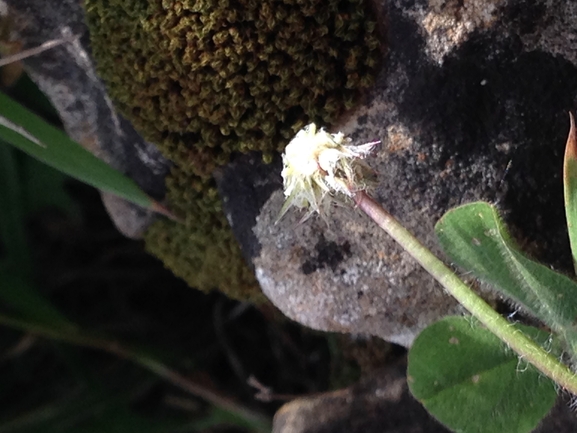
(471, 103)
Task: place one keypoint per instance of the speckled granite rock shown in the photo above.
(66, 74)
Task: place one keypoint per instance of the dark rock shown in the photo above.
(245, 185)
(380, 403)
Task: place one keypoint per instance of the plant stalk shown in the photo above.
(36, 50)
(498, 325)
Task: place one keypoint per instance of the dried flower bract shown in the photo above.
(319, 166)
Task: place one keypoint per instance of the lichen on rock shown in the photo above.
(204, 79)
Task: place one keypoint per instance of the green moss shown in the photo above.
(204, 79)
(202, 250)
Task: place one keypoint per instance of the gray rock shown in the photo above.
(471, 105)
(66, 74)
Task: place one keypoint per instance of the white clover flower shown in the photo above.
(319, 166)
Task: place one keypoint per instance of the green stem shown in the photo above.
(519, 342)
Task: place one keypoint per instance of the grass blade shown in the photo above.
(29, 133)
(45, 188)
(570, 187)
(12, 227)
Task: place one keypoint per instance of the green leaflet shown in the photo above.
(467, 379)
(475, 238)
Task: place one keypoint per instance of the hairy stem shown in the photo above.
(514, 338)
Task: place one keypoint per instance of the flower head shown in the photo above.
(318, 167)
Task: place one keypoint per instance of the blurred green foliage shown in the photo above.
(28, 187)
